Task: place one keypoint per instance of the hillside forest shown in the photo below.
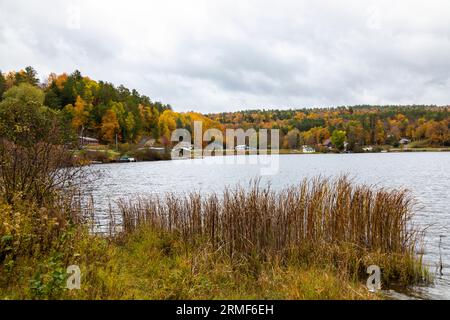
(112, 114)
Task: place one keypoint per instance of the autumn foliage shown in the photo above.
(101, 110)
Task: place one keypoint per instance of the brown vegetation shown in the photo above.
(317, 222)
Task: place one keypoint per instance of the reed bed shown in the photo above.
(318, 221)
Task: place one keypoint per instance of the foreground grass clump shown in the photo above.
(154, 265)
(147, 264)
(318, 223)
(36, 246)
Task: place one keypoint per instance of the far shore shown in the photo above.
(280, 152)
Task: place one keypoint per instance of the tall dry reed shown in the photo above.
(319, 220)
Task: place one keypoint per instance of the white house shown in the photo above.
(404, 141)
(87, 141)
(241, 147)
(159, 150)
(308, 149)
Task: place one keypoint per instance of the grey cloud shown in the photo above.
(227, 55)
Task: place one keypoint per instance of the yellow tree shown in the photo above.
(420, 129)
(110, 126)
(166, 124)
(90, 89)
(380, 133)
(300, 116)
(61, 80)
(80, 114)
(438, 132)
(320, 134)
(207, 123)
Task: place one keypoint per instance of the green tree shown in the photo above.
(25, 94)
(33, 156)
(338, 139)
(355, 135)
(23, 117)
(52, 97)
(29, 75)
(130, 127)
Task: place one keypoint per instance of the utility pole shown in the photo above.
(81, 136)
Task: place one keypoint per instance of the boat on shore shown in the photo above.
(126, 159)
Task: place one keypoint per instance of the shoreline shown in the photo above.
(286, 152)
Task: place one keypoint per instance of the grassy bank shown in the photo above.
(319, 222)
(153, 265)
(310, 241)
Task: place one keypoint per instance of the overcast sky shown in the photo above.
(215, 55)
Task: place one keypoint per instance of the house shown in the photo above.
(404, 141)
(84, 141)
(159, 150)
(241, 147)
(148, 142)
(215, 145)
(308, 149)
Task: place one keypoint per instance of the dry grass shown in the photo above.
(310, 241)
(318, 222)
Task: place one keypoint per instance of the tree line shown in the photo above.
(357, 126)
(112, 113)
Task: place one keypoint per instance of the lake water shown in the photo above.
(426, 175)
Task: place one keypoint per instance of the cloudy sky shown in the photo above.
(217, 55)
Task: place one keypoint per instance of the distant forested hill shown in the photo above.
(101, 110)
(363, 125)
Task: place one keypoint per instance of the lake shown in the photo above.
(426, 175)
